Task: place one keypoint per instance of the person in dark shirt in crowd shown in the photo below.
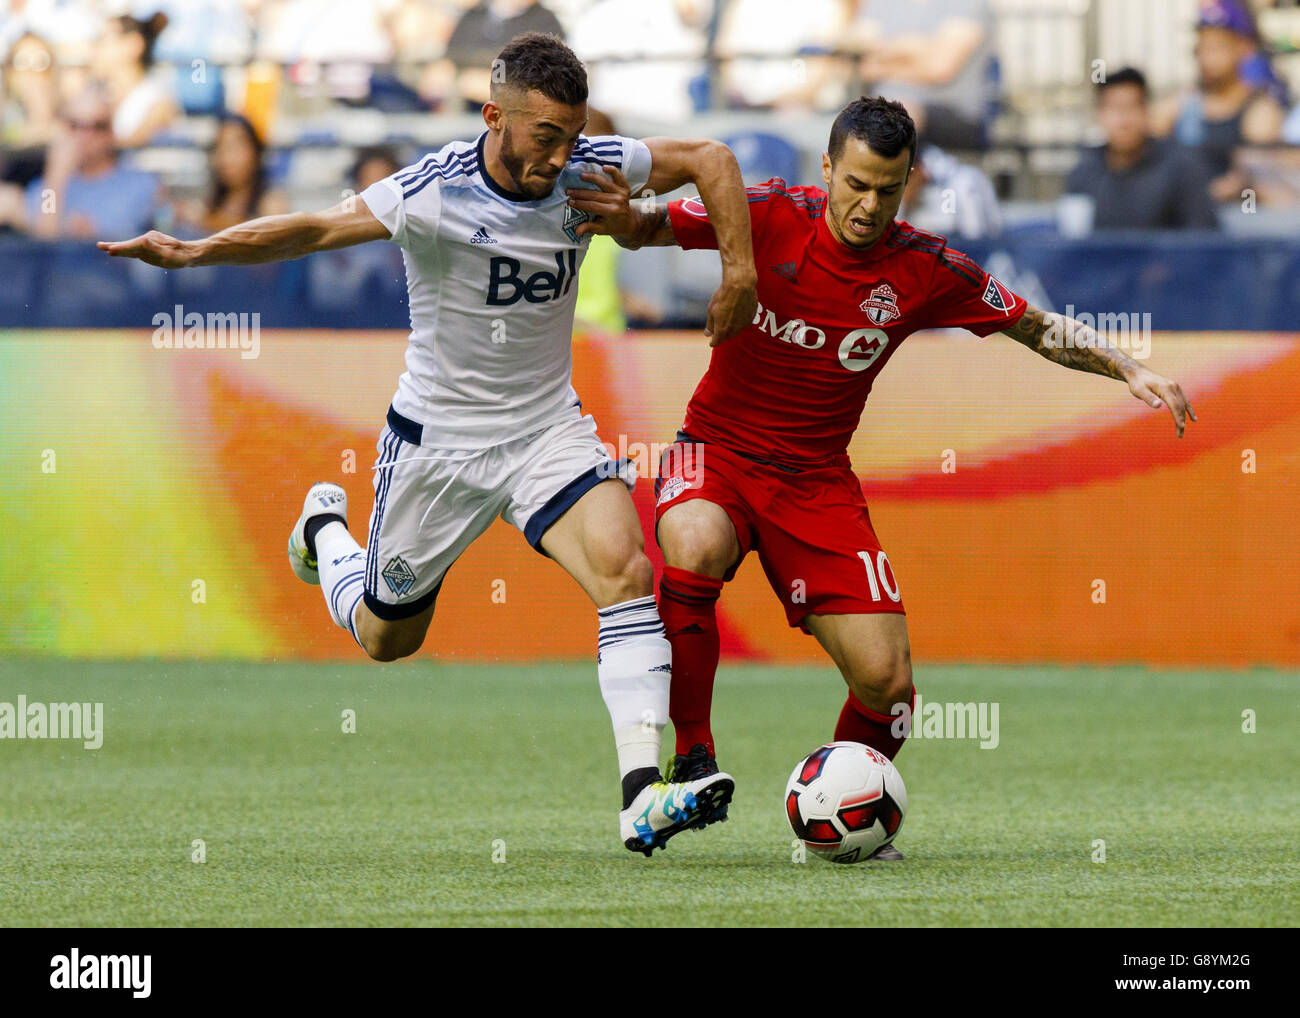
(1229, 108)
(482, 32)
(1136, 181)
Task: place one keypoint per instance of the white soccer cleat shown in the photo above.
(665, 808)
(323, 498)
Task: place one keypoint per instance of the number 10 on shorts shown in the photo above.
(879, 575)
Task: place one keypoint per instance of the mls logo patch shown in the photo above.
(881, 305)
(998, 297)
(671, 488)
(573, 218)
(397, 574)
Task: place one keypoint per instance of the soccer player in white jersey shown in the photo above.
(485, 421)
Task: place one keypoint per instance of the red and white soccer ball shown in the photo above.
(844, 801)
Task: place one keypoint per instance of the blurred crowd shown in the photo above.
(86, 84)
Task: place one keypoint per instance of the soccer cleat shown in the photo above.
(324, 498)
(693, 766)
(885, 853)
(665, 808)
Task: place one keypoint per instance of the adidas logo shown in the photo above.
(785, 270)
(481, 237)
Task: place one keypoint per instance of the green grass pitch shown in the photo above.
(398, 823)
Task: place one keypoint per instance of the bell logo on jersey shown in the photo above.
(505, 287)
(998, 296)
(881, 305)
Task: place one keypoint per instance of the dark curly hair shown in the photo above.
(884, 125)
(536, 62)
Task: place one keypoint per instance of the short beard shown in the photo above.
(515, 165)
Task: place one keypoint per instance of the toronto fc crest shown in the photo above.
(882, 305)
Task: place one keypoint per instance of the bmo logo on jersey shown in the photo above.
(506, 285)
(858, 350)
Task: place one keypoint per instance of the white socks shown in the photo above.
(634, 666)
(342, 563)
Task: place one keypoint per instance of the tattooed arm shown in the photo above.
(1070, 342)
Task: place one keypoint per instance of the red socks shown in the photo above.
(688, 608)
(858, 723)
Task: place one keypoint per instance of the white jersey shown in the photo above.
(491, 279)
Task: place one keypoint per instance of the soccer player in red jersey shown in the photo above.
(761, 463)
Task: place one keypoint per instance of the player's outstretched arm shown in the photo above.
(269, 239)
(1068, 341)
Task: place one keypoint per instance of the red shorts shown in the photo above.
(811, 529)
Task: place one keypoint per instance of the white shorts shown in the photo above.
(431, 504)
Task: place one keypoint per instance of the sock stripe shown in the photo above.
(351, 580)
(605, 642)
(627, 628)
(349, 618)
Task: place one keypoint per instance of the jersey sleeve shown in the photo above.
(630, 155)
(690, 219)
(964, 296)
(408, 204)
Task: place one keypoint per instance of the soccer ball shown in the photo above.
(844, 801)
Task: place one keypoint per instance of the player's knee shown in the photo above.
(391, 644)
(697, 550)
(623, 573)
(882, 678)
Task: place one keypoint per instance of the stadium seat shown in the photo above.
(763, 156)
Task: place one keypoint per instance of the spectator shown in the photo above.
(331, 44)
(142, 97)
(644, 55)
(373, 165)
(1136, 181)
(936, 58)
(1225, 111)
(239, 190)
(29, 116)
(949, 197)
(84, 192)
(774, 60)
(364, 274)
(481, 33)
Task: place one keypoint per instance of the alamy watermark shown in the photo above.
(947, 721)
(1129, 331)
(179, 329)
(23, 720)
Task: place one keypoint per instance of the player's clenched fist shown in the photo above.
(732, 307)
(154, 247)
(608, 204)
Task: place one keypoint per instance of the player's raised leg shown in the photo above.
(598, 541)
(323, 552)
(700, 545)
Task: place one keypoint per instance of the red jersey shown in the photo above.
(790, 388)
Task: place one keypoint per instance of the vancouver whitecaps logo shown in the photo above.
(573, 218)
